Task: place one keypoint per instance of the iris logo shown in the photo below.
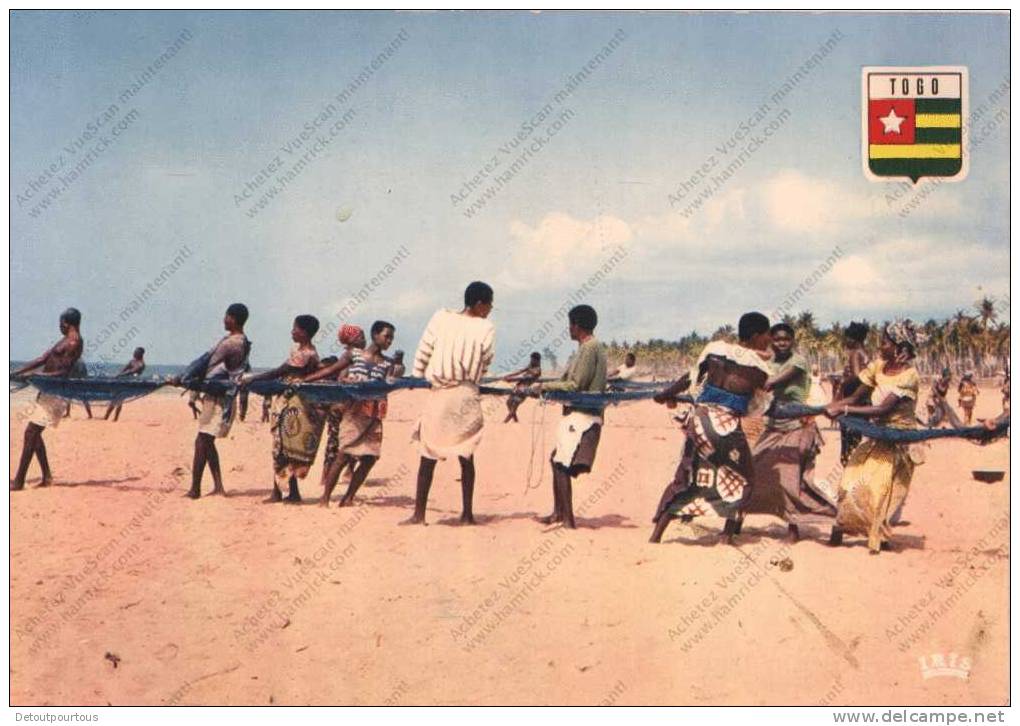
(938, 665)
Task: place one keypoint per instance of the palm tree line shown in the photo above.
(974, 340)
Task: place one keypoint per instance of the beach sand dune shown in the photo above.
(124, 592)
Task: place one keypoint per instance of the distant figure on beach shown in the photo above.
(523, 378)
(225, 362)
(193, 397)
(716, 470)
(359, 444)
(579, 430)
(453, 355)
(242, 398)
(267, 405)
(134, 368)
(397, 368)
(296, 426)
(626, 372)
(938, 406)
(80, 370)
(856, 361)
(817, 396)
(967, 393)
(58, 361)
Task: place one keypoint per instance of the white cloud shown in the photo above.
(412, 300)
(911, 272)
(796, 202)
(548, 253)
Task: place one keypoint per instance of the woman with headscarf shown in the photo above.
(360, 429)
(352, 338)
(296, 426)
(877, 475)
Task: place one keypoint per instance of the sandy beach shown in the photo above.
(124, 592)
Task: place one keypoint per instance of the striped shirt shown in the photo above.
(454, 348)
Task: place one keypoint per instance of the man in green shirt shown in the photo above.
(577, 437)
(784, 456)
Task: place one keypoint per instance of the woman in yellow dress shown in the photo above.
(877, 476)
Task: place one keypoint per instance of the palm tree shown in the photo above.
(724, 332)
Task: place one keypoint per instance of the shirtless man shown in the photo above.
(716, 471)
(226, 361)
(134, 368)
(523, 378)
(48, 410)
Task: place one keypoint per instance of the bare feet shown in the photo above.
(193, 494)
(550, 519)
(218, 491)
(46, 482)
(17, 486)
(729, 532)
(413, 519)
(323, 501)
(466, 519)
(276, 496)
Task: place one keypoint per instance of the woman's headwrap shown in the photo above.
(904, 333)
(350, 333)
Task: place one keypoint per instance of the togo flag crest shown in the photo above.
(912, 122)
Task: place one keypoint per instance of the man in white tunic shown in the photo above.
(455, 351)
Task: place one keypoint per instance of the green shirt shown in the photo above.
(796, 390)
(586, 370)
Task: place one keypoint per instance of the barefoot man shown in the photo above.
(225, 362)
(134, 368)
(716, 471)
(48, 410)
(577, 436)
(455, 351)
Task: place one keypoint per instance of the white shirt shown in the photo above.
(625, 372)
(455, 348)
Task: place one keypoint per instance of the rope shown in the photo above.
(539, 407)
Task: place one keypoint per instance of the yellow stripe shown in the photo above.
(914, 151)
(937, 120)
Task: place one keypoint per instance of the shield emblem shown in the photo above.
(913, 122)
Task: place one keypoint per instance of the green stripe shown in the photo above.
(937, 105)
(915, 168)
(937, 136)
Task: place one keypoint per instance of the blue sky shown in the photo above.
(456, 88)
